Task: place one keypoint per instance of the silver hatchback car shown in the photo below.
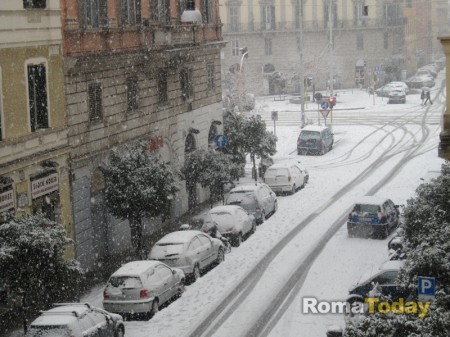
(257, 199)
(140, 287)
(189, 250)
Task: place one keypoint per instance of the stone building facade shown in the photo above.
(34, 146)
(364, 34)
(136, 70)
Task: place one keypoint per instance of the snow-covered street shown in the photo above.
(397, 150)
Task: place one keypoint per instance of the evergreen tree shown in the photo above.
(427, 247)
(210, 169)
(32, 262)
(138, 185)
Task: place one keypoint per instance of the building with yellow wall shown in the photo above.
(350, 39)
(34, 151)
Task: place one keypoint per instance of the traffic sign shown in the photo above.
(426, 288)
(221, 141)
(325, 113)
(318, 97)
(324, 105)
(274, 115)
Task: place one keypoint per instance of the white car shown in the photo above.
(397, 96)
(257, 199)
(233, 222)
(286, 177)
(402, 85)
(76, 320)
(141, 287)
(192, 251)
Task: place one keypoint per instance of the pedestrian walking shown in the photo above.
(422, 96)
(427, 98)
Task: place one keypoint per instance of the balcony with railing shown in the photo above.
(230, 28)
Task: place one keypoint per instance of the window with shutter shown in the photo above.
(210, 68)
(132, 94)
(34, 4)
(206, 11)
(130, 12)
(37, 96)
(161, 10)
(162, 86)
(94, 13)
(95, 102)
(186, 80)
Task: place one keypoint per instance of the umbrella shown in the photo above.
(425, 89)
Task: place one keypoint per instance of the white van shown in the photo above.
(286, 177)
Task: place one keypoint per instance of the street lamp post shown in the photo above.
(244, 52)
(301, 66)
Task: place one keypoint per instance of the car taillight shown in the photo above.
(319, 142)
(349, 216)
(381, 218)
(144, 293)
(289, 178)
(105, 295)
(229, 229)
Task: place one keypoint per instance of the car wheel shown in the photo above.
(196, 273)
(253, 230)
(119, 332)
(237, 240)
(294, 188)
(323, 150)
(181, 289)
(220, 256)
(155, 307)
(385, 232)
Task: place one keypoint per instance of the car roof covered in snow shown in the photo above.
(180, 237)
(370, 200)
(135, 268)
(392, 265)
(314, 128)
(246, 187)
(61, 315)
(225, 209)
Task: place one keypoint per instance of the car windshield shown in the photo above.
(224, 220)
(48, 331)
(366, 208)
(241, 197)
(305, 134)
(125, 282)
(277, 172)
(168, 249)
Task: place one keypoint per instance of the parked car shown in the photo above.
(286, 177)
(192, 251)
(418, 82)
(385, 90)
(427, 70)
(315, 139)
(401, 85)
(382, 282)
(232, 221)
(397, 96)
(140, 287)
(76, 320)
(373, 216)
(257, 199)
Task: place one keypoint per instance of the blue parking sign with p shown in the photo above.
(426, 286)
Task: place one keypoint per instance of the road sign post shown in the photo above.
(426, 288)
(274, 116)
